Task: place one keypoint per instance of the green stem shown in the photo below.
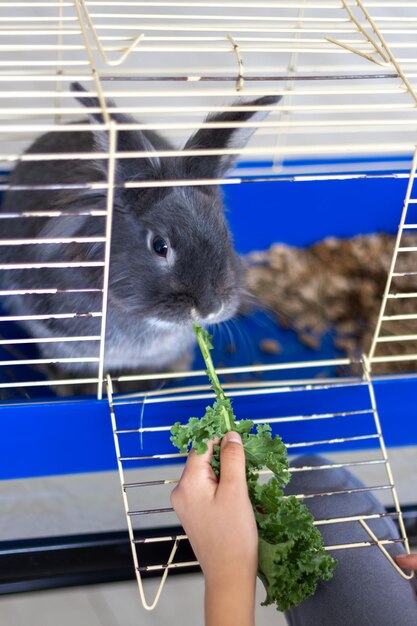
(205, 346)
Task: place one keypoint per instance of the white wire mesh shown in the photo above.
(348, 91)
(363, 425)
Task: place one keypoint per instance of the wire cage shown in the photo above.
(346, 74)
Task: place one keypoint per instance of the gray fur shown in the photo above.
(151, 305)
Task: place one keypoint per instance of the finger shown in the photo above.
(232, 461)
(198, 468)
(407, 561)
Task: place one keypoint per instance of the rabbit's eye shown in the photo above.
(160, 246)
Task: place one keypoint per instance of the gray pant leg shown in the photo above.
(365, 589)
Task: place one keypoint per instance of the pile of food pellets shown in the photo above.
(337, 286)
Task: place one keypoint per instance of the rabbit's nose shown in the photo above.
(208, 312)
(215, 314)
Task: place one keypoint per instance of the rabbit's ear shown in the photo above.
(128, 140)
(217, 138)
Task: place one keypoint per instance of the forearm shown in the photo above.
(231, 603)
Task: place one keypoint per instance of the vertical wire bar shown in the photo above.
(58, 84)
(281, 139)
(106, 270)
(363, 30)
(394, 255)
(387, 49)
(366, 372)
(100, 48)
(94, 70)
(385, 551)
(148, 607)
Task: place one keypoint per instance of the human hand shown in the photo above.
(218, 518)
(407, 561)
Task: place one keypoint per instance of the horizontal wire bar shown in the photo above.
(328, 149)
(396, 338)
(312, 385)
(24, 292)
(364, 544)
(307, 496)
(29, 214)
(399, 317)
(10, 342)
(290, 386)
(126, 185)
(192, 125)
(173, 481)
(48, 383)
(47, 26)
(239, 370)
(331, 441)
(57, 265)
(43, 71)
(53, 360)
(150, 511)
(269, 420)
(160, 539)
(340, 520)
(311, 468)
(393, 358)
(37, 112)
(55, 240)
(238, 16)
(196, 76)
(257, 384)
(45, 30)
(267, 177)
(297, 496)
(183, 564)
(119, 94)
(354, 518)
(152, 457)
(216, 4)
(174, 47)
(150, 483)
(162, 482)
(138, 397)
(48, 316)
(277, 4)
(296, 418)
(150, 568)
(396, 296)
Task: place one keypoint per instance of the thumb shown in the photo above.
(407, 561)
(232, 461)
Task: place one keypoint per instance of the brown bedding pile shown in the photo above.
(338, 285)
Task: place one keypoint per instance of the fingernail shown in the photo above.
(401, 557)
(233, 437)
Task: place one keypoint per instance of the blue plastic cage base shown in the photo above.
(44, 435)
(75, 436)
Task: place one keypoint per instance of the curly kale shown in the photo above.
(291, 555)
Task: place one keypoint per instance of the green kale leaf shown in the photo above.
(291, 555)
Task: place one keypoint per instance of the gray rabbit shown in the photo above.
(171, 261)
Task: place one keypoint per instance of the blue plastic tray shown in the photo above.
(47, 436)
